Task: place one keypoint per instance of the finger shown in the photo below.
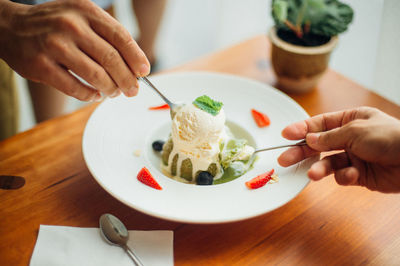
(114, 33)
(295, 131)
(324, 122)
(335, 139)
(347, 176)
(83, 66)
(295, 154)
(328, 165)
(62, 80)
(109, 58)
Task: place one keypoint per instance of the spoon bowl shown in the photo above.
(115, 233)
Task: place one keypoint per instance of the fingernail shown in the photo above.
(144, 70)
(115, 94)
(132, 91)
(98, 98)
(312, 138)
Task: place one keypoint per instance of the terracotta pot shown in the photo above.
(299, 68)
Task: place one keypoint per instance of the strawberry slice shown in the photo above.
(260, 180)
(159, 107)
(262, 120)
(146, 178)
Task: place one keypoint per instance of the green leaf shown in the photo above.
(337, 16)
(280, 9)
(325, 17)
(208, 105)
(317, 4)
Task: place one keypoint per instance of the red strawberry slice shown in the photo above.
(260, 180)
(159, 107)
(146, 178)
(262, 120)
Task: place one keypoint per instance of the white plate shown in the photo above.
(121, 126)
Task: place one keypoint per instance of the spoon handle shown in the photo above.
(133, 256)
(148, 82)
(301, 143)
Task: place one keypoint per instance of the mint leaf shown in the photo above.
(208, 105)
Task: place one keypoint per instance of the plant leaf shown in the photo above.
(280, 9)
(326, 17)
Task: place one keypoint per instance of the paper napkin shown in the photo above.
(62, 245)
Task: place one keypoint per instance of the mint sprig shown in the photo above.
(208, 105)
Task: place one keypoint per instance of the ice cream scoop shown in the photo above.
(196, 135)
(193, 128)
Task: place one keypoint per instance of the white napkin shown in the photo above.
(62, 245)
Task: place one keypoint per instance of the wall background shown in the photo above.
(367, 52)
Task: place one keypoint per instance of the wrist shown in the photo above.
(8, 17)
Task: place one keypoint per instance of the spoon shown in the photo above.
(253, 156)
(115, 233)
(173, 107)
(301, 143)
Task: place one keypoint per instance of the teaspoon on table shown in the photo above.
(115, 233)
(172, 106)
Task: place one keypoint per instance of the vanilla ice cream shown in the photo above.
(201, 142)
(196, 135)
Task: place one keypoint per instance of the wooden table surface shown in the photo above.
(324, 224)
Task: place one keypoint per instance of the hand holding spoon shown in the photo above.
(115, 233)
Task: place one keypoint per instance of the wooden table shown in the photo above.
(324, 224)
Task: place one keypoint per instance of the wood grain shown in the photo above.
(324, 224)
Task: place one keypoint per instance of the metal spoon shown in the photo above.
(115, 233)
(301, 143)
(253, 156)
(173, 107)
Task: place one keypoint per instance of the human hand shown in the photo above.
(45, 42)
(370, 140)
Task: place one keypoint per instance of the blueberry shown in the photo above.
(158, 145)
(204, 178)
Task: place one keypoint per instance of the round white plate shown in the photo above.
(122, 127)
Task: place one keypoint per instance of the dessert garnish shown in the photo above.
(159, 107)
(261, 119)
(204, 178)
(146, 178)
(260, 180)
(158, 145)
(207, 104)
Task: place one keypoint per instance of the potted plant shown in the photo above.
(304, 35)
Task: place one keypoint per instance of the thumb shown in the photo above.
(334, 139)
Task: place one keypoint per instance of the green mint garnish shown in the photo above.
(207, 104)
